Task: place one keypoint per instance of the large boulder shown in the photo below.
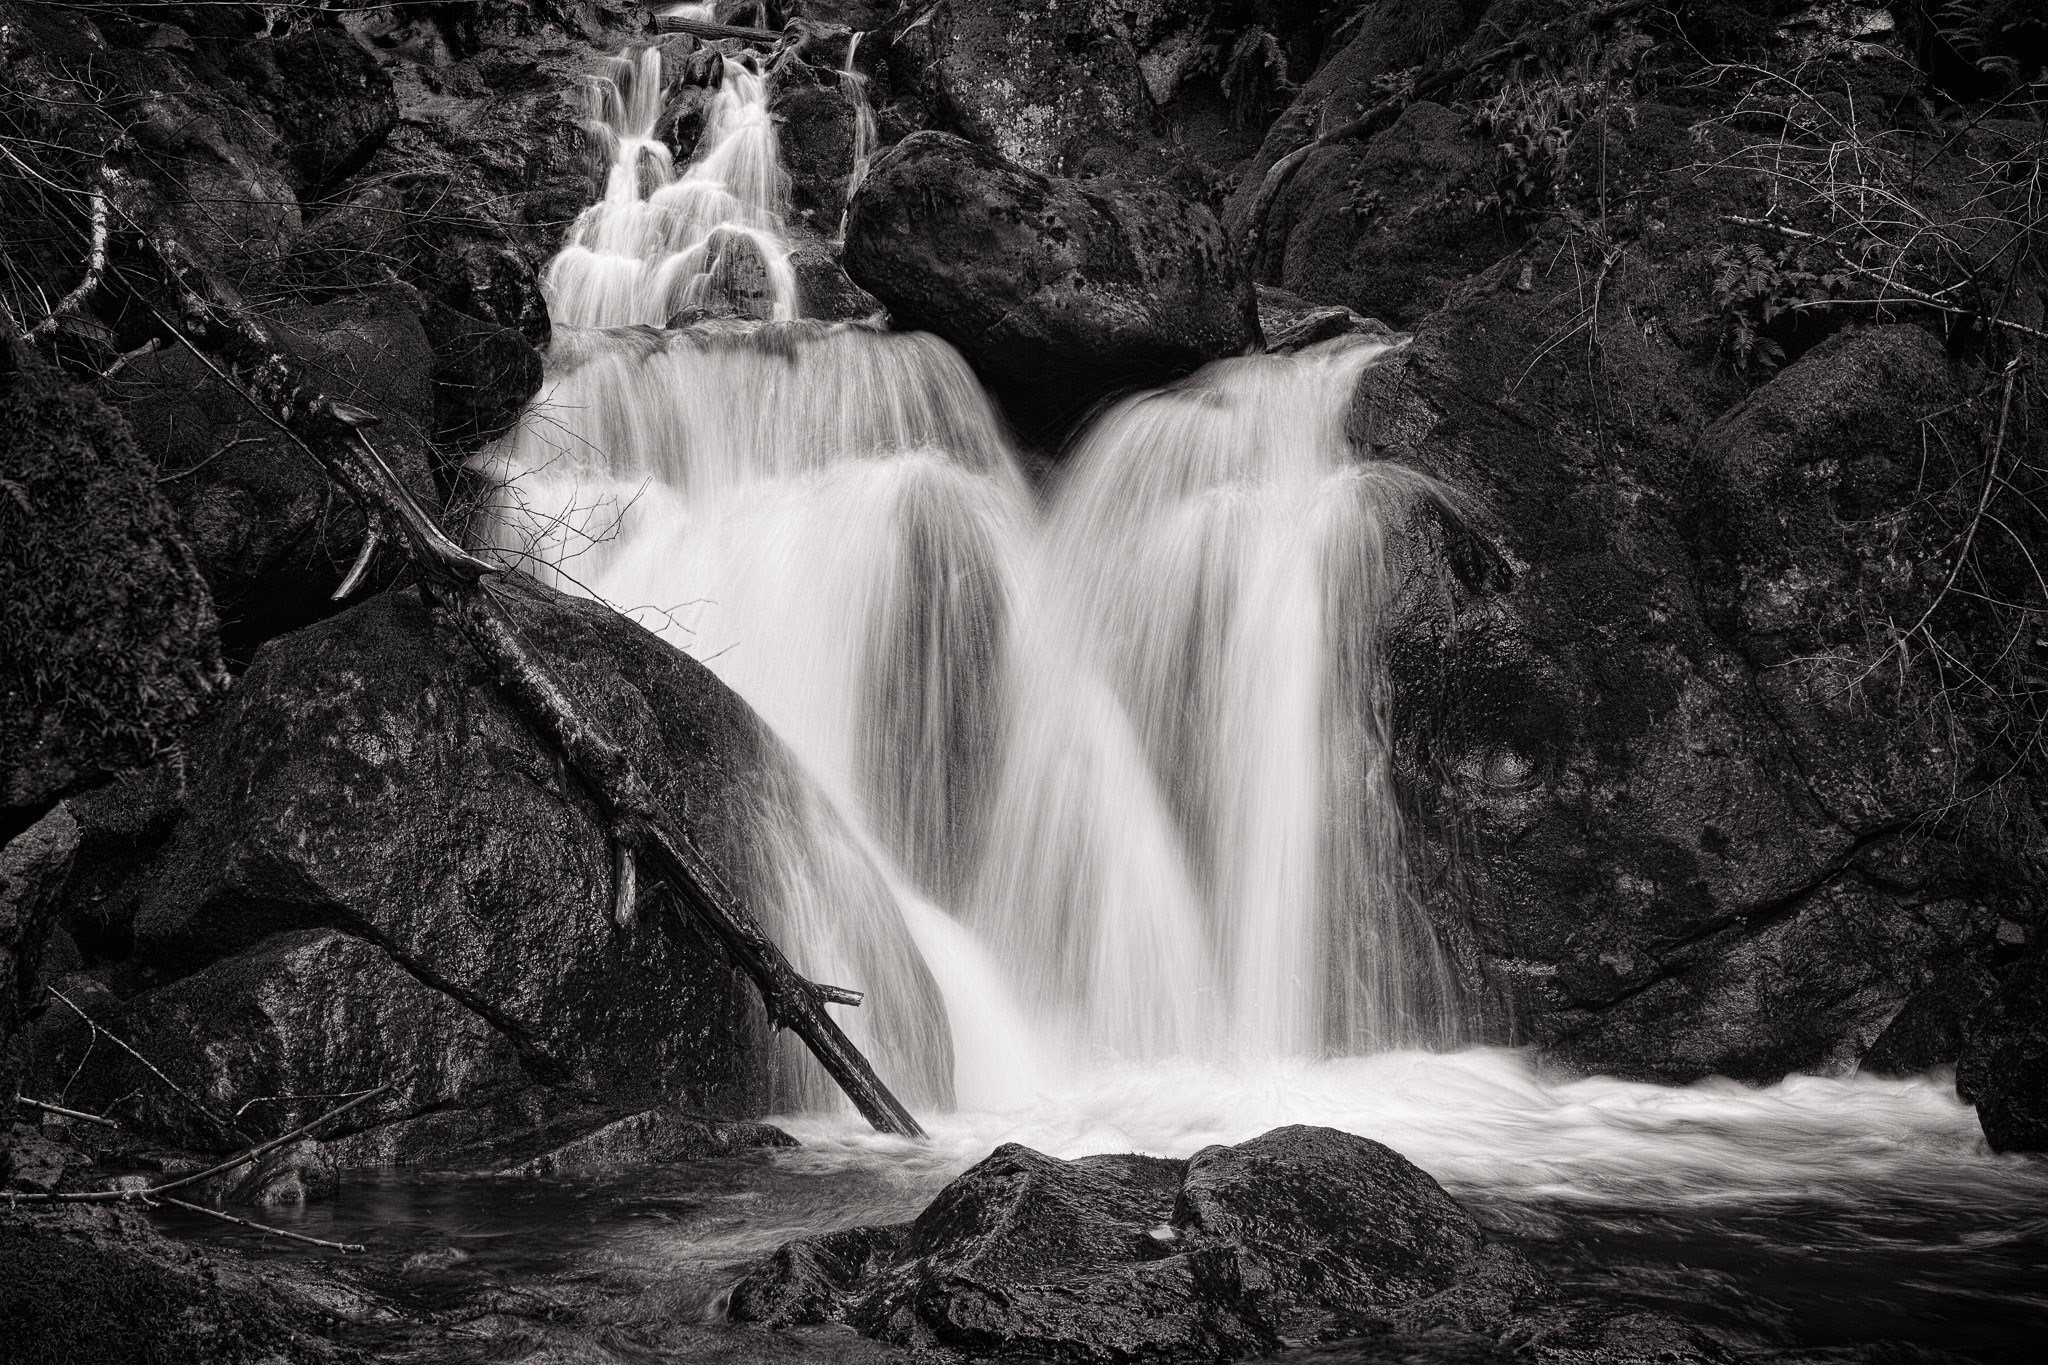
(273, 535)
(1056, 291)
(108, 639)
(1304, 1234)
(379, 866)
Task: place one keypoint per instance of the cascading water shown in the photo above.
(1119, 762)
(658, 244)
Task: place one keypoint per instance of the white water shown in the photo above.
(1089, 791)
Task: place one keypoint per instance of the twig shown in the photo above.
(225, 1125)
(263, 1227)
(243, 1159)
(49, 1108)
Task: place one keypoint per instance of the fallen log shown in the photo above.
(227, 338)
(700, 28)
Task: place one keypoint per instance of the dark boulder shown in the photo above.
(33, 868)
(1304, 1234)
(1664, 773)
(1929, 1031)
(379, 866)
(1057, 291)
(484, 373)
(1390, 225)
(2003, 1069)
(273, 535)
(108, 639)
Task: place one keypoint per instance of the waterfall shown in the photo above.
(855, 84)
(1098, 776)
(658, 244)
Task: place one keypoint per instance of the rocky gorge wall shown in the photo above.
(1717, 708)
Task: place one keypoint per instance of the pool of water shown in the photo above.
(1814, 1213)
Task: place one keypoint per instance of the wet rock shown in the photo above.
(1929, 1031)
(111, 638)
(1325, 1230)
(301, 1172)
(1301, 1235)
(2003, 1069)
(273, 535)
(815, 112)
(380, 866)
(1057, 291)
(266, 1038)
(1290, 323)
(580, 1147)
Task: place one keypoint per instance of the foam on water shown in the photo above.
(1483, 1122)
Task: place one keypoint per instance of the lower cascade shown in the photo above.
(1105, 772)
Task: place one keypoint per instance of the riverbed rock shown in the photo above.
(1056, 291)
(380, 867)
(1302, 1235)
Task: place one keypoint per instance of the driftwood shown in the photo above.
(262, 1227)
(237, 346)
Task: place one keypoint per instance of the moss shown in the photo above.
(107, 633)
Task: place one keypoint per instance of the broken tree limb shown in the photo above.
(639, 822)
(95, 271)
(241, 1158)
(262, 1227)
(62, 1112)
(453, 579)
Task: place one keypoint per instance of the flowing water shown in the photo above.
(1088, 787)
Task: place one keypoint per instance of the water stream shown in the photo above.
(1088, 788)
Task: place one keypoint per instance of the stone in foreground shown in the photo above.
(1302, 1235)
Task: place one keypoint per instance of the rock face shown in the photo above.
(2003, 1069)
(1057, 291)
(1304, 1234)
(1666, 769)
(378, 866)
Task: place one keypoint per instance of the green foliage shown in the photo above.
(2004, 37)
(107, 633)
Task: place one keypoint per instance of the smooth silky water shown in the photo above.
(1088, 789)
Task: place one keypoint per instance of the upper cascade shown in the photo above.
(659, 244)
